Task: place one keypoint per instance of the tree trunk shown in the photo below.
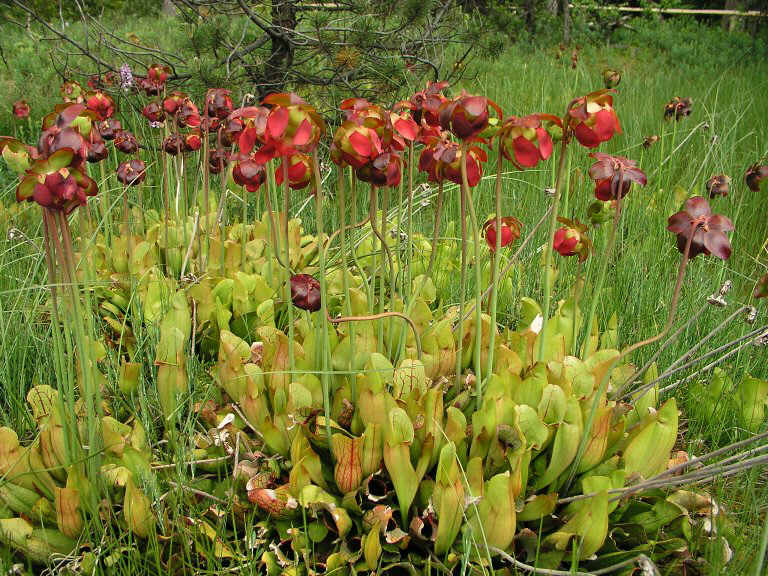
(566, 21)
(281, 53)
(732, 23)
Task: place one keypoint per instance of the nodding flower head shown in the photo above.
(21, 109)
(173, 102)
(678, 108)
(109, 128)
(173, 144)
(525, 141)
(355, 144)
(154, 82)
(593, 119)
(97, 148)
(299, 171)
(153, 112)
(187, 114)
(718, 185)
(192, 141)
(126, 142)
(572, 240)
(292, 125)
(614, 175)
(441, 160)
(756, 177)
(704, 231)
(425, 105)
(218, 158)
(55, 183)
(510, 231)
(218, 103)
(305, 292)
(100, 104)
(383, 170)
(131, 172)
(250, 174)
(468, 116)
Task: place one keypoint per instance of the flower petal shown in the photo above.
(718, 244)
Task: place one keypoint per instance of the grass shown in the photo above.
(725, 133)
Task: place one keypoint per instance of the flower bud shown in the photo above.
(571, 240)
(611, 78)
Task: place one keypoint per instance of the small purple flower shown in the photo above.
(126, 77)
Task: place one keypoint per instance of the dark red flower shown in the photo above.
(425, 105)
(305, 292)
(757, 177)
(383, 170)
(571, 239)
(187, 114)
(704, 230)
(614, 175)
(153, 112)
(525, 141)
(53, 183)
(109, 128)
(246, 126)
(173, 144)
(172, 103)
(593, 119)
(192, 141)
(97, 149)
(678, 108)
(219, 103)
(510, 231)
(467, 116)
(249, 173)
(21, 109)
(100, 104)
(218, 158)
(155, 80)
(131, 172)
(299, 171)
(718, 185)
(126, 142)
(441, 160)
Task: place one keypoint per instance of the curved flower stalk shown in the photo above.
(698, 231)
(613, 177)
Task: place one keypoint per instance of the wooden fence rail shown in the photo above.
(704, 12)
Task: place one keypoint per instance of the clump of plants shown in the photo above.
(347, 416)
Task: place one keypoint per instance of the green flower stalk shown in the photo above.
(477, 355)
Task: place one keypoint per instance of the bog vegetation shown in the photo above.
(242, 335)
